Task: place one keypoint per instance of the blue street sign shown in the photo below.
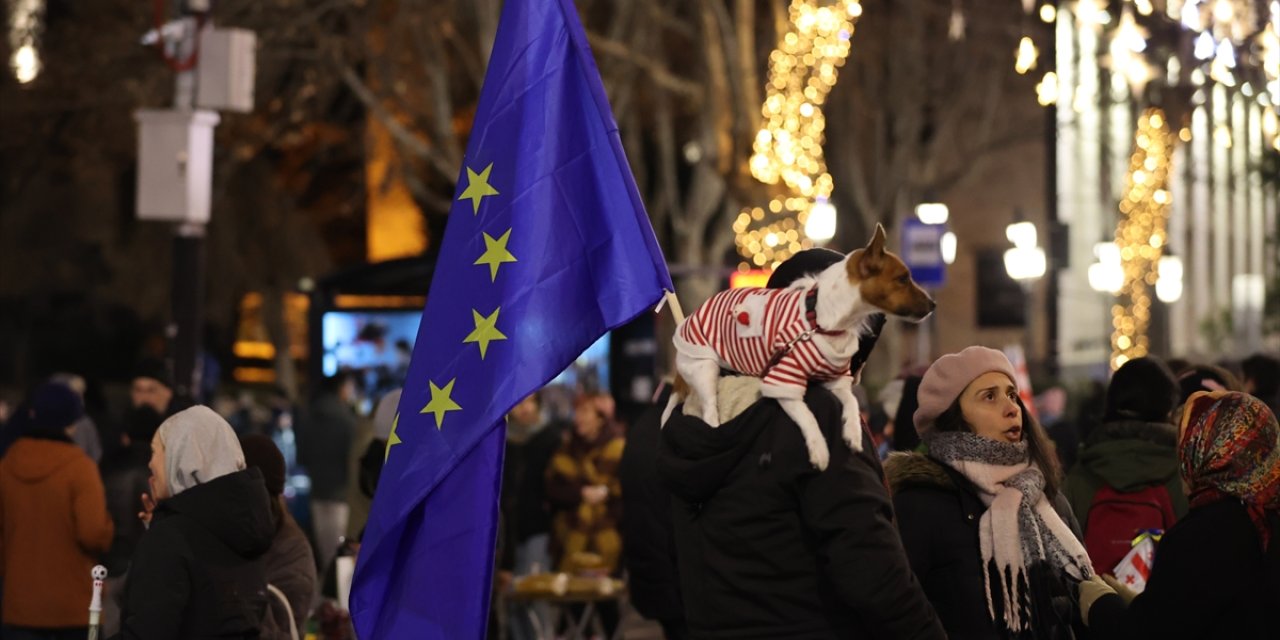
(922, 251)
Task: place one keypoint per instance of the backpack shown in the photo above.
(1116, 518)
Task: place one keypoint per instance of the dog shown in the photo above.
(787, 337)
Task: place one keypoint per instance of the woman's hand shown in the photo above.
(595, 495)
(1121, 590)
(1090, 591)
(148, 506)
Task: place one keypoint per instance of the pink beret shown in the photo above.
(947, 378)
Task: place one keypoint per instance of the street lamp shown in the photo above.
(932, 212)
(1107, 275)
(1169, 279)
(947, 244)
(821, 224)
(1025, 262)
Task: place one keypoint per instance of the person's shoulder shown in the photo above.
(167, 533)
(292, 540)
(909, 472)
(1220, 521)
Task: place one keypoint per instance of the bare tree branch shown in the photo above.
(657, 73)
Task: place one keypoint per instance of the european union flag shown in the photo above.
(547, 248)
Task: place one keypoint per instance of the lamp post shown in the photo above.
(1026, 263)
(821, 223)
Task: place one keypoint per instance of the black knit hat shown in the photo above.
(55, 406)
(1141, 389)
(806, 263)
(154, 369)
(261, 452)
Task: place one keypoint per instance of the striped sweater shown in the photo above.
(743, 329)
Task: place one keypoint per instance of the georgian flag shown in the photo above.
(1134, 569)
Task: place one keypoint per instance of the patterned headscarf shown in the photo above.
(1230, 447)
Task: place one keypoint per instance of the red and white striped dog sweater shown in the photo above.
(762, 333)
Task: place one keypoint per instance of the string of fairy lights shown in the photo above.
(1236, 45)
(1142, 234)
(788, 148)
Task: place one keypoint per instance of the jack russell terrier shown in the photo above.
(787, 337)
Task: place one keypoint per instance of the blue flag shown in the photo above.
(547, 248)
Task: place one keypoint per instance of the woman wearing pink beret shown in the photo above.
(984, 525)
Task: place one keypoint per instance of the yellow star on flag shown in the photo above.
(394, 439)
(441, 403)
(495, 253)
(486, 330)
(478, 188)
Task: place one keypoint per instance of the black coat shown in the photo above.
(649, 554)
(198, 571)
(324, 446)
(938, 513)
(125, 476)
(769, 547)
(1211, 579)
(525, 510)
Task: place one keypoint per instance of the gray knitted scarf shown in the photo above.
(1020, 527)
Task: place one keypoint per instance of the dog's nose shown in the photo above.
(932, 305)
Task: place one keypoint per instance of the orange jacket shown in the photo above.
(53, 526)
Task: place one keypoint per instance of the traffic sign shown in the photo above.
(922, 251)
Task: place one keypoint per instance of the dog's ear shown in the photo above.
(876, 246)
(868, 261)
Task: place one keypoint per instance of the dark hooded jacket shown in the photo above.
(198, 571)
(125, 475)
(938, 515)
(1211, 579)
(768, 546)
(1127, 456)
(649, 553)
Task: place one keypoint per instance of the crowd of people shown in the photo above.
(970, 518)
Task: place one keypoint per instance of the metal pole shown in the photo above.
(185, 328)
(924, 339)
(1057, 247)
(188, 308)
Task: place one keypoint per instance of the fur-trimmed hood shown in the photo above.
(1131, 454)
(1161, 434)
(906, 469)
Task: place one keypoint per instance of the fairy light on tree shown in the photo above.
(1141, 234)
(788, 148)
(1026, 56)
(24, 27)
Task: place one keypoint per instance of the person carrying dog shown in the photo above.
(767, 546)
(987, 531)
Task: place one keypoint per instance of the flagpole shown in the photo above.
(669, 299)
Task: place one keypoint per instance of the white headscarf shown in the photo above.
(199, 446)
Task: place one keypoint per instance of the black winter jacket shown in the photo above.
(525, 510)
(124, 475)
(1211, 579)
(198, 572)
(653, 581)
(938, 513)
(769, 547)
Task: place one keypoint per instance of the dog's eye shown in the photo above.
(904, 279)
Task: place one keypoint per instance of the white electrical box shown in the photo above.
(225, 73)
(175, 164)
